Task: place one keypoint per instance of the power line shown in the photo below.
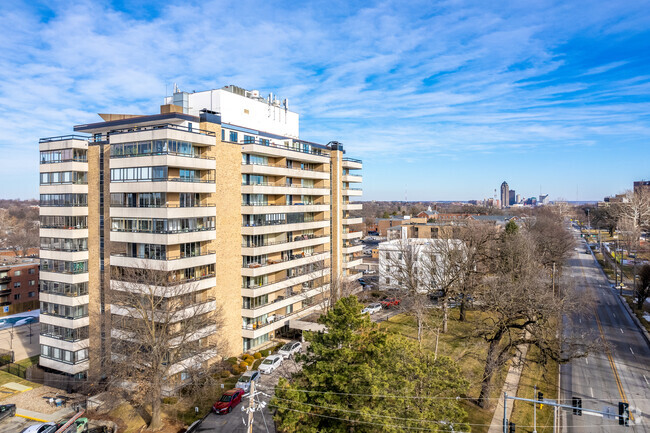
(357, 421)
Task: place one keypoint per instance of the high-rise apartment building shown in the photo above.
(216, 190)
(512, 197)
(504, 194)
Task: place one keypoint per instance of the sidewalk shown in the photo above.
(44, 417)
(510, 386)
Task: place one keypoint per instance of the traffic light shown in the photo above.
(623, 413)
(511, 428)
(577, 406)
(540, 398)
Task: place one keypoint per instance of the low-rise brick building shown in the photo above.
(19, 287)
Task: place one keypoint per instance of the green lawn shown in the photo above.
(469, 352)
(6, 378)
(545, 377)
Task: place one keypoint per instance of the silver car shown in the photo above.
(372, 308)
(245, 380)
(290, 349)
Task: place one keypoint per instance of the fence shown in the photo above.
(6, 357)
(16, 370)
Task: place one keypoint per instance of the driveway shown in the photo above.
(234, 422)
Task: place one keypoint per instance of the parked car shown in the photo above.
(270, 363)
(372, 308)
(390, 302)
(290, 349)
(228, 401)
(79, 425)
(7, 411)
(245, 380)
(43, 427)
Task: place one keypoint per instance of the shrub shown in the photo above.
(170, 400)
(257, 363)
(257, 355)
(232, 361)
(244, 365)
(250, 361)
(236, 369)
(265, 352)
(224, 374)
(278, 346)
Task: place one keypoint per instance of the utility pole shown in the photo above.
(505, 412)
(553, 278)
(251, 407)
(535, 407)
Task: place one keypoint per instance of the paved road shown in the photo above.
(620, 372)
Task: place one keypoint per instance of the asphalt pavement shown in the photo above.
(619, 371)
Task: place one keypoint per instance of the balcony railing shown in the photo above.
(319, 170)
(317, 152)
(163, 126)
(166, 258)
(171, 283)
(274, 318)
(278, 222)
(353, 160)
(165, 205)
(167, 152)
(253, 286)
(286, 241)
(165, 179)
(165, 232)
(282, 204)
(282, 185)
(271, 262)
(64, 138)
(75, 159)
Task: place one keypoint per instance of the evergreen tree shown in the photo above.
(359, 378)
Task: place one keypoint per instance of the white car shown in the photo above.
(290, 349)
(372, 309)
(44, 427)
(270, 363)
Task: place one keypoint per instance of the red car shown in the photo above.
(228, 401)
(390, 302)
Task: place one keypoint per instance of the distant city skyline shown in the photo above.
(524, 92)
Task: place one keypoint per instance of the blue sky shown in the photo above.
(442, 100)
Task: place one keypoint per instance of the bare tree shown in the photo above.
(163, 334)
(520, 308)
(444, 269)
(479, 239)
(405, 274)
(339, 286)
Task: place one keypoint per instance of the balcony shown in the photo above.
(164, 212)
(352, 263)
(165, 184)
(273, 247)
(283, 170)
(171, 264)
(64, 322)
(282, 226)
(168, 159)
(350, 249)
(197, 308)
(249, 331)
(352, 206)
(356, 192)
(282, 151)
(282, 302)
(352, 235)
(170, 237)
(352, 220)
(253, 291)
(63, 366)
(172, 289)
(351, 163)
(258, 269)
(257, 209)
(282, 189)
(356, 178)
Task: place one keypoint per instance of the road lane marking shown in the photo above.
(646, 380)
(631, 350)
(619, 385)
(586, 360)
(621, 330)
